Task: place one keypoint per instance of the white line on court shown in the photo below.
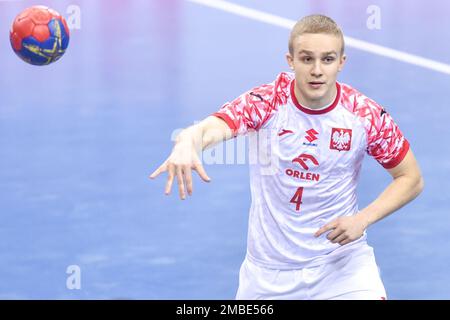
(349, 41)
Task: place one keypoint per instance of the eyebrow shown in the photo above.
(312, 53)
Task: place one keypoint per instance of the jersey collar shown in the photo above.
(310, 111)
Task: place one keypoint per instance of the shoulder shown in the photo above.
(284, 79)
(282, 84)
(358, 103)
(252, 109)
(270, 96)
(279, 88)
(363, 107)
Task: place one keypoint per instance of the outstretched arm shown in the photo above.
(185, 154)
(406, 185)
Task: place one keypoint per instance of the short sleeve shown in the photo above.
(386, 142)
(251, 110)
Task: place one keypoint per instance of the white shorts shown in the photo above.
(354, 276)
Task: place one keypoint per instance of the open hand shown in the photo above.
(180, 164)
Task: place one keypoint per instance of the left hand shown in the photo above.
(345, 229)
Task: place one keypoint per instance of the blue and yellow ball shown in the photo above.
(39, 35)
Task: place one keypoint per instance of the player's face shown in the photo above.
(316, 61)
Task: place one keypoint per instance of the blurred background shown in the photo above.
(79, 138)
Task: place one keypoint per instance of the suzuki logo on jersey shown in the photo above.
(301, 160)
(341, 139)
(311, 136)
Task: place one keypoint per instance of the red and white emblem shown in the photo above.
(341, 139)
(301, 160)
(311, 135)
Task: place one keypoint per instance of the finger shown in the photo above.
(188, 179)
(158, 171)
(334, 234)
(344, 242)
(180, 181)
(171, 174)
(325, 228)
(339, 238)
(201, 172)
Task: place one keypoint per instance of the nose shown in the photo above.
(316, 70)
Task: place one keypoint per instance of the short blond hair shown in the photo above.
(315, 23)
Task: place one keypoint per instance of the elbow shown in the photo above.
(418, 185)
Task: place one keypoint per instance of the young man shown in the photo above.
(307, 237)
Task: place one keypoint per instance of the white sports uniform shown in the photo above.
(305, 175)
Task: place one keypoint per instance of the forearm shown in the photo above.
(399, 192)
(205, 134)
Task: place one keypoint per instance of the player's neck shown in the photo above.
(318, 104)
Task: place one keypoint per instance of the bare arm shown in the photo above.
(185, 154)
(406, 185)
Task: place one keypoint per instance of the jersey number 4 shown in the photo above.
(297, 198)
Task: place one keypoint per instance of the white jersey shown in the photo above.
(308, 167)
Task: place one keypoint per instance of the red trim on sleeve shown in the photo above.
(228, 121)
(396, 161)
(311, 111)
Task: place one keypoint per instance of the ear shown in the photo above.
(342, 61)
(290, 60)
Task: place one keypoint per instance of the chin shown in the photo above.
(316, 96)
